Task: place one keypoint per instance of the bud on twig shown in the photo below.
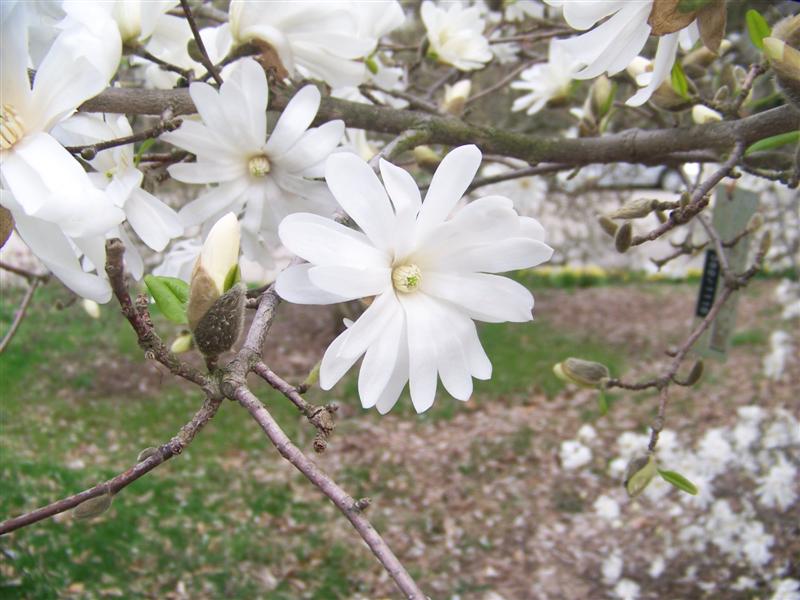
(455, 97)
(635, 209)
(607, 225)
(222, 324)
(581, 372)
(6, 225)
(624, 237)
(702, 114)
(639, 473)
(93, 507)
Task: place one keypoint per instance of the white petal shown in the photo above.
(489, 298)
(325, 242)
(360, 193)
(215, 201)
(352, 282)
(531, 228)
(293, 285)
(498, 257)
(207, 172)
(665, 58)
(401, 187)
(352, 343)
(380, 363)
(294, 120)
(451, 359)
(421, 351)
(153, 221)
(51, 247)
(397, 380)
(313, 147)
(448, 185)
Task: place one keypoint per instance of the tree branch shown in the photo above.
(632, 145)
(20, 314)
(349, 507)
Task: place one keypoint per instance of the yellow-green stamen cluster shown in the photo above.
(406, 278)
(11, 129)
(258, 166)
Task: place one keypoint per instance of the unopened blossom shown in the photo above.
(321, 39)
(455, 35)
(50, 195)
(261, 178)
(429, 270)
(615, 43)
(546, 82)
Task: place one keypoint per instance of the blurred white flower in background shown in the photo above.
(430, 276)
(778, 488)
(263, 178)
(455, 35)
(780, 350)
(574, 454)
(786, 589)
(546, 82)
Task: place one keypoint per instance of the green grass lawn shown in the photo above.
(199, 520)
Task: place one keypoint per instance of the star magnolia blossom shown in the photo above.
(50, 195)
(545, 82)
(264, 177)
(430, 276)
(322, 39)
(615, 43)
(456, 35)
(153, 221)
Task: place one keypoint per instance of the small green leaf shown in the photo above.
(678, 81)
(686, 6)
(757, 28)
(602, 403)
(372, 65)
(232, 278)
(679, 481)
(776, 141)
(143, 147)
(171, 296)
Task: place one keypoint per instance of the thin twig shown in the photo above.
(172, 448)
(89, 150)
(207, 62)
(141, 51)
(20, 314)
(29, 275)
(349, 507)
(501, 83)
(517, 174)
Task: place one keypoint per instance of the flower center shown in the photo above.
(406, 278)
(258, 166)
(11, 127)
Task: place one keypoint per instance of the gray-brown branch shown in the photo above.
(632, 146)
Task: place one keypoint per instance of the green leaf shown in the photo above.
(678, 81)
(232, 278)
(679, 481)
(776, 141)
(143, 147)
(372, 66)
(171, 296)
(602, 403)
(757, 28)
(686, 6)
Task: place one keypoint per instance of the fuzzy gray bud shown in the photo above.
(623, 238)
(222, 325)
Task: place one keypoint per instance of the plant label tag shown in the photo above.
(732, 211)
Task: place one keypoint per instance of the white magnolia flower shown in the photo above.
(321, 39)
(522, 9)
(134, 19)
(627, 589)
(778, 487)
(50, 195)
(153, 221)
(180, 260)
(616, 42)
(781, 349)
(546, 81)
(786, 589)
(263, 177)
(574, 455)
(430, 276)
(606, 508)
(456, 35)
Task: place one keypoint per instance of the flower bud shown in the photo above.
(638, 66)
(698, 60)
(426, 157)
(581, 372)
(91, 308)
(722, 94)
(6, 225)
(755, 223)
(455, 96)
(635, 209)
(623, 238)
(696, 373)
(215, 267)
(146, 453)
(601, 96)
(182, 343)
(93, 507)
(702, 114)
(607, 225)
(222, 324)
(766, 243)
(785, 61)
(639, 473)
